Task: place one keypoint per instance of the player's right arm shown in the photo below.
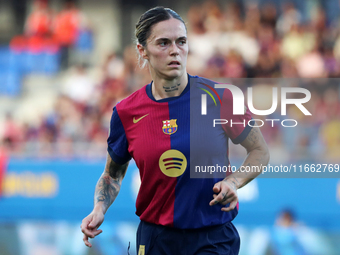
(107, 189)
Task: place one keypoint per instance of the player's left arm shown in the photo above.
(257, 157)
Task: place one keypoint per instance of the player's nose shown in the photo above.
(174, 50)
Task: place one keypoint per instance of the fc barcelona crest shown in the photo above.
(169, 126)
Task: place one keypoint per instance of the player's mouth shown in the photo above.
(174, 64)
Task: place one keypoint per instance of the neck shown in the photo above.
(162, 88)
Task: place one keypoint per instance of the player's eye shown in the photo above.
(182, 42)
(163, 43)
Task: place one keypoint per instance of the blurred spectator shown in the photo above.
(79, 86)
(84, 43)
(114, 67)
(285, 237)
(233, 66)
(269, 15)
(252, 19)
(68, 120)
(134, 76)
(12, 134)
(331, 138)
(19, 10)
(290, 237)
(288, 68)
(311, 65)
(331, 124)
(3, 163)
(266, 38)
(331, 64)
(289, 18)
(66, 28)
(336, 48)
(215, 66)
(266, 66)
(39, 21)
(113, 86)
(294, 44)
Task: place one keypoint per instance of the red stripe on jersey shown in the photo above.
(156, 197)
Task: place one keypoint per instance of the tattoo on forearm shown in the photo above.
(108, 185)
(171, 88)
(107, 190)
(235, 181)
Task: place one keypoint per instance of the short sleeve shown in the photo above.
(237, 126)
(117, 141)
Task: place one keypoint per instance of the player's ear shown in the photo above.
(142, 51)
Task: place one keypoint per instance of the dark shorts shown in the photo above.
(158, 240)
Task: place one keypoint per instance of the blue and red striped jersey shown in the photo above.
(168, 139)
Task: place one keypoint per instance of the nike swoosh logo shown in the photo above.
(136, 120)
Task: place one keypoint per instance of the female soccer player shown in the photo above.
(179, 214)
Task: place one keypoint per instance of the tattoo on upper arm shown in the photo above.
(116, 171)
(260, 161)
(253, 136)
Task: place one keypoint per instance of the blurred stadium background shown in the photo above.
(65, 64)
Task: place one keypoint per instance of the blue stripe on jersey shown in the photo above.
(117, 142)
(180, 141)
(192, 195)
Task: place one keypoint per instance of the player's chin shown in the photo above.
(174, 73)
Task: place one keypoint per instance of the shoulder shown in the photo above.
(204, 83)
(132, 101)
(202, 80)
